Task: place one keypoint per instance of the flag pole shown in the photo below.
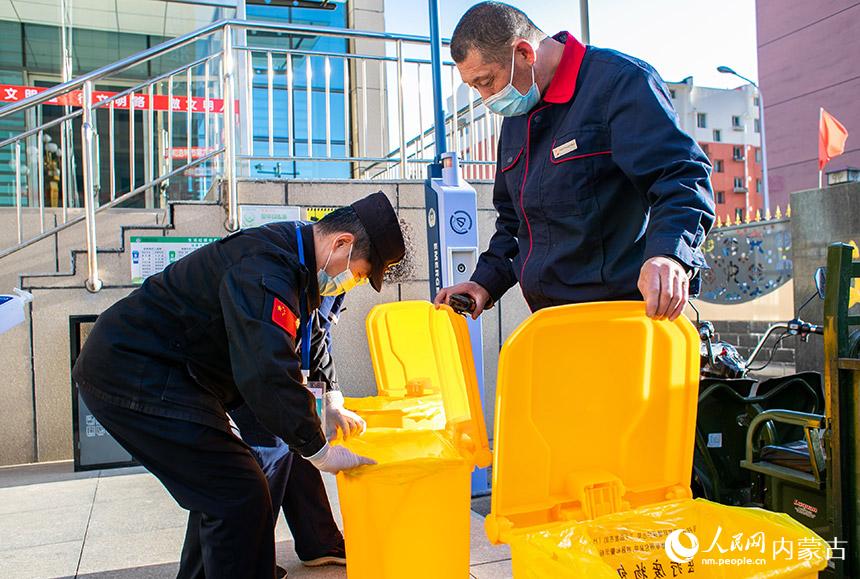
(820, 169)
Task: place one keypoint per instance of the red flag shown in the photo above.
(284, 317)
(831, 138)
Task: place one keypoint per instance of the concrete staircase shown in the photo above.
(37, 391)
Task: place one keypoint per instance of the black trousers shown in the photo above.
(212, 474)
(296, 486)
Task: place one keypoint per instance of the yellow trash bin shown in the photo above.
(595, 425)
(409, 515)
(408, 394)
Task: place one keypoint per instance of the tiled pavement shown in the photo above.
(122, 524)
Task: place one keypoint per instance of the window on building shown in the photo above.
(718, 136)
(325, 126)
(755, 101)
(738, 153)
(718, 166)
(736, 122)
(721, 197)
(739, 214)
(672, 93)
(758, 155)
(702, 120)
(758, 185)
(739, 182)
(758, 125)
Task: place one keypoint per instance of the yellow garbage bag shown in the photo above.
(683, 538)
(420, 412)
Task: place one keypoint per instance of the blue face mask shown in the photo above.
(509, 102)
(342, 282)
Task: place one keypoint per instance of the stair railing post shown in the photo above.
(230, 131)
(88, 134)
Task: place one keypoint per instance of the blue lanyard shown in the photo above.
(305, 318)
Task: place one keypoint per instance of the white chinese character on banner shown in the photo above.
(756, 541)
(101, 97)
(834, 551)
(715, 544)
(808, 549)
(782, 546)
(193, 104)
(11, 94)
(139, 101)
(209, 105)
(736, 542)
(122, 101)
(174, 104)
(28, 92)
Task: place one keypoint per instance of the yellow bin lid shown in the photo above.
(414, 343)
(595, 413)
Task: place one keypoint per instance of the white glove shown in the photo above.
(333, 459)
(336, 416)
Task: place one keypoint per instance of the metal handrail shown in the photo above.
(180, 41)
(110, 205)
(225, 151)
(111, 69)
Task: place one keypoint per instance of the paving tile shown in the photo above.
(21, 475)
(155, 549)
(149, 512)
(53, 495)
(163, 571)
(43, 527)
(55, 560)
(482, 550)
(496, 570)
(295, 570)
(129, 487)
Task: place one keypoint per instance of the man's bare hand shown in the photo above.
(665, 286)
(476, 291)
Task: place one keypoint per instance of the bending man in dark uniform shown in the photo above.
(217, 328)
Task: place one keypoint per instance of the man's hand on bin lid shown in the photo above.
(334, 459)
(665, 285)
(338, 417)
(476, 291)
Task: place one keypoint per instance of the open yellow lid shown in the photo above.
(417, 349)
(595, 413)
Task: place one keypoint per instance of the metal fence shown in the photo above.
(179, 134)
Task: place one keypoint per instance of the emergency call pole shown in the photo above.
(452, 221)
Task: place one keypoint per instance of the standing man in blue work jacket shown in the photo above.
(600, 195)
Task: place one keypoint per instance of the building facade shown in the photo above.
(46, 42)
(725, 122)
(807, 59)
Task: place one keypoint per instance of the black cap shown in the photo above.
(383, 228)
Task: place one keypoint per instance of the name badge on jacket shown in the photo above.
(564, 149)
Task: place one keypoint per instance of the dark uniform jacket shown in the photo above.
(597, 178)
(215, 329)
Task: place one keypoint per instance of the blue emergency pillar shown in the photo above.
(436, 66)
(452, 221)
(452, 235)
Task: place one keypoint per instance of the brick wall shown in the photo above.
(745, 335)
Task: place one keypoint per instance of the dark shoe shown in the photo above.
(336, 557)
(280, 572)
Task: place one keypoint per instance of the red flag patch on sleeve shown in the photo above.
(284, 317)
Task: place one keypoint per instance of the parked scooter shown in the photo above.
(729, 401)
